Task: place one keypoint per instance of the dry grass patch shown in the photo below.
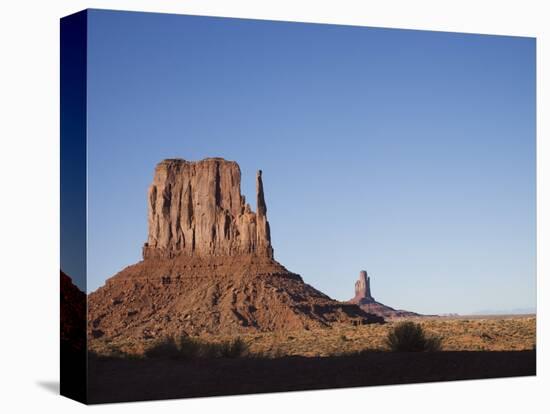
(482, 334)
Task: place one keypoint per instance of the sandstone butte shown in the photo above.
(364, 299)
(208, 266)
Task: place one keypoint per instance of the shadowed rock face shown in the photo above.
(73, 315)
(73, 344)
(196, 209)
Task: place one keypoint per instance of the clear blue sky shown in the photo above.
(410, 154)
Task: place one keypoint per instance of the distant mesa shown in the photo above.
(513, 311)
(363, 297)
(208, 266)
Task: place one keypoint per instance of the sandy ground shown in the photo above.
(479, 333)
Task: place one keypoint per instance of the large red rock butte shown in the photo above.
(208, 266)
(364, 299)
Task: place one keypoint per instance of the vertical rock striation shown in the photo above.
(362, 288)
(263, 236)
(196, 209)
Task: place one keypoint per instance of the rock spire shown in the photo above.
(362, 287)
(363, 298)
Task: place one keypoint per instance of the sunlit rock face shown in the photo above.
(196, 209)
(362, 288)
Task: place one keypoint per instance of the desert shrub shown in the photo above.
(233, 349)
(186, 347)
(166, 348)
(274, 352)
(190, 348)
(410, 337)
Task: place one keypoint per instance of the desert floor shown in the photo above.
(342, 356)
(476, 333)
(469, 334)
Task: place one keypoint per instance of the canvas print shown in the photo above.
(255, 206)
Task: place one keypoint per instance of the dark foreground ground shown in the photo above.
(117, 380)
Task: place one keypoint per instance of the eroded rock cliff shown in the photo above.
(196, 209)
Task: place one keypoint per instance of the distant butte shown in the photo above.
(208, 266)
(363, 297)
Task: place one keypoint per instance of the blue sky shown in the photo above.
(410, 154)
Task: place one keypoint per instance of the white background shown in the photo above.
(29, 204)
